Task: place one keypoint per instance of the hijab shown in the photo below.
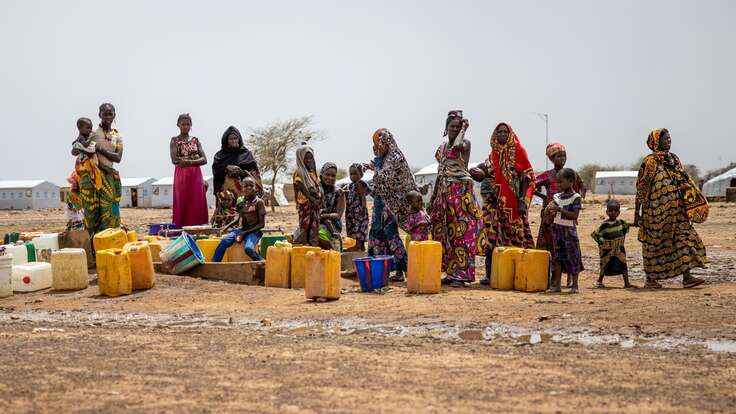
(509, 161)
(226, 156)
(302, 171)
(393, 177)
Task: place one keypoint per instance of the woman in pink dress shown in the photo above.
(187, 155)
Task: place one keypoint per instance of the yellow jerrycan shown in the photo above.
(298, 255)
(322, 275)
(132, 236)
(113, 272)
(141, 265)
(278, 267)
(502, 269)
(531, 270)
(425, 267)
(208, 247)
(110, 239)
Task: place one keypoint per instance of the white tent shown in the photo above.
(616, 182)
(163, 192)
(24, 194)
(716, 186)
(137, 192)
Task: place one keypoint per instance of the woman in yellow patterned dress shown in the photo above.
(667, 199)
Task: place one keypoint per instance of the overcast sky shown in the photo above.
(606, 72)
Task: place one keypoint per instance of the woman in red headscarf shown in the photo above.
(510, 176)
(558, 155)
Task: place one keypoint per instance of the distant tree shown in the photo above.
(693, 171)
(273, 146)
(636, 164)
(341, 173)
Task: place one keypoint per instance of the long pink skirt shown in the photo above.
(190, 201)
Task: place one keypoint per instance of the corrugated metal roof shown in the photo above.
(728, 174)
(23, 183)
(134, 181)
(164, 181)
(616, 174)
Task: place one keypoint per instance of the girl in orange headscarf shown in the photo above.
(510, 178)
(667, 200)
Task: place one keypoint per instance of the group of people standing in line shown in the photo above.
(667, 201)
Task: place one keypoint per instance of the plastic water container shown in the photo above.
(181, 255)
(502, 269)
(424, 273)
(69, 269)
(278, 267)
(6, 276)
(208, 247)
(269, 240)
(132, 236)
(348, 243)
(153, 238)
(110, 239)
(156, 247)
(18, 252)
(31, 251)
(373, 272)
(236, 253)
(113, 272)
(298, 254)
(45, 244)
(322, 279)
(11, 237)
(29, 235)
(32, 276)
(531, 271)
(141, 265)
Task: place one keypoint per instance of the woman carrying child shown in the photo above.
(611, 237)
(187, 155)
(565, 209)
(454, 211)
(356, 213)
(509, 180)
(308, 194)
(667, 201)
(333, 207)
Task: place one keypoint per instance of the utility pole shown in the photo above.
(545, 118)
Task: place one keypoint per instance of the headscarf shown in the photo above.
(393, 177)
(302, 171)
(226, 156)
(325, 167)
(654, 145)
(510, 161)
(553, 149)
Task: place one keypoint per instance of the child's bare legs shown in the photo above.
(556, 279)
(574, 287)
(627, 284)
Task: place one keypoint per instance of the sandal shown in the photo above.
(486, 281)
(554, 289)
(600, 285)
(457, 284)
(690, 282)
(446, 281)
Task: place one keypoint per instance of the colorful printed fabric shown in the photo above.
(509, 163)
(189, 198)
(87, 162)
(393, 178)
(383, 238)
(308, 223)
(566, 252)
(331, 195)
(670, 244)
(356, 214)
(553, 149)
(456, 219)
(101, 207)
(548, 180)
(611, 237)
(419, 225)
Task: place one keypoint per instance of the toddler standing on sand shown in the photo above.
(565, 208)
(611, 236)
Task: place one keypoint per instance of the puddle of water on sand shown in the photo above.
(350, 326)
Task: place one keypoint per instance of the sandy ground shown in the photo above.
(190, 345)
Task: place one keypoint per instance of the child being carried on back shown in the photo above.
(611, 236)
(252, 218)
(418, 222)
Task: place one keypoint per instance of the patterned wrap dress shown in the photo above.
(670, 244)
(548, 180)
(356, 214)
(455, 214)
(384, 238)
(566, 252)
(102, 205)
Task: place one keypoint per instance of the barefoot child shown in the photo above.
(308, 197)
(565, 208)
(417, 223)
(252, 218)
(356, 213)
(610, 236)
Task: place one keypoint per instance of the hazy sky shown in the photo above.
(606, 72)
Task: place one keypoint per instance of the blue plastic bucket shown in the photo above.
(181, 255)
(373, 271)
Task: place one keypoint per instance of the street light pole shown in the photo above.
(545, 118)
